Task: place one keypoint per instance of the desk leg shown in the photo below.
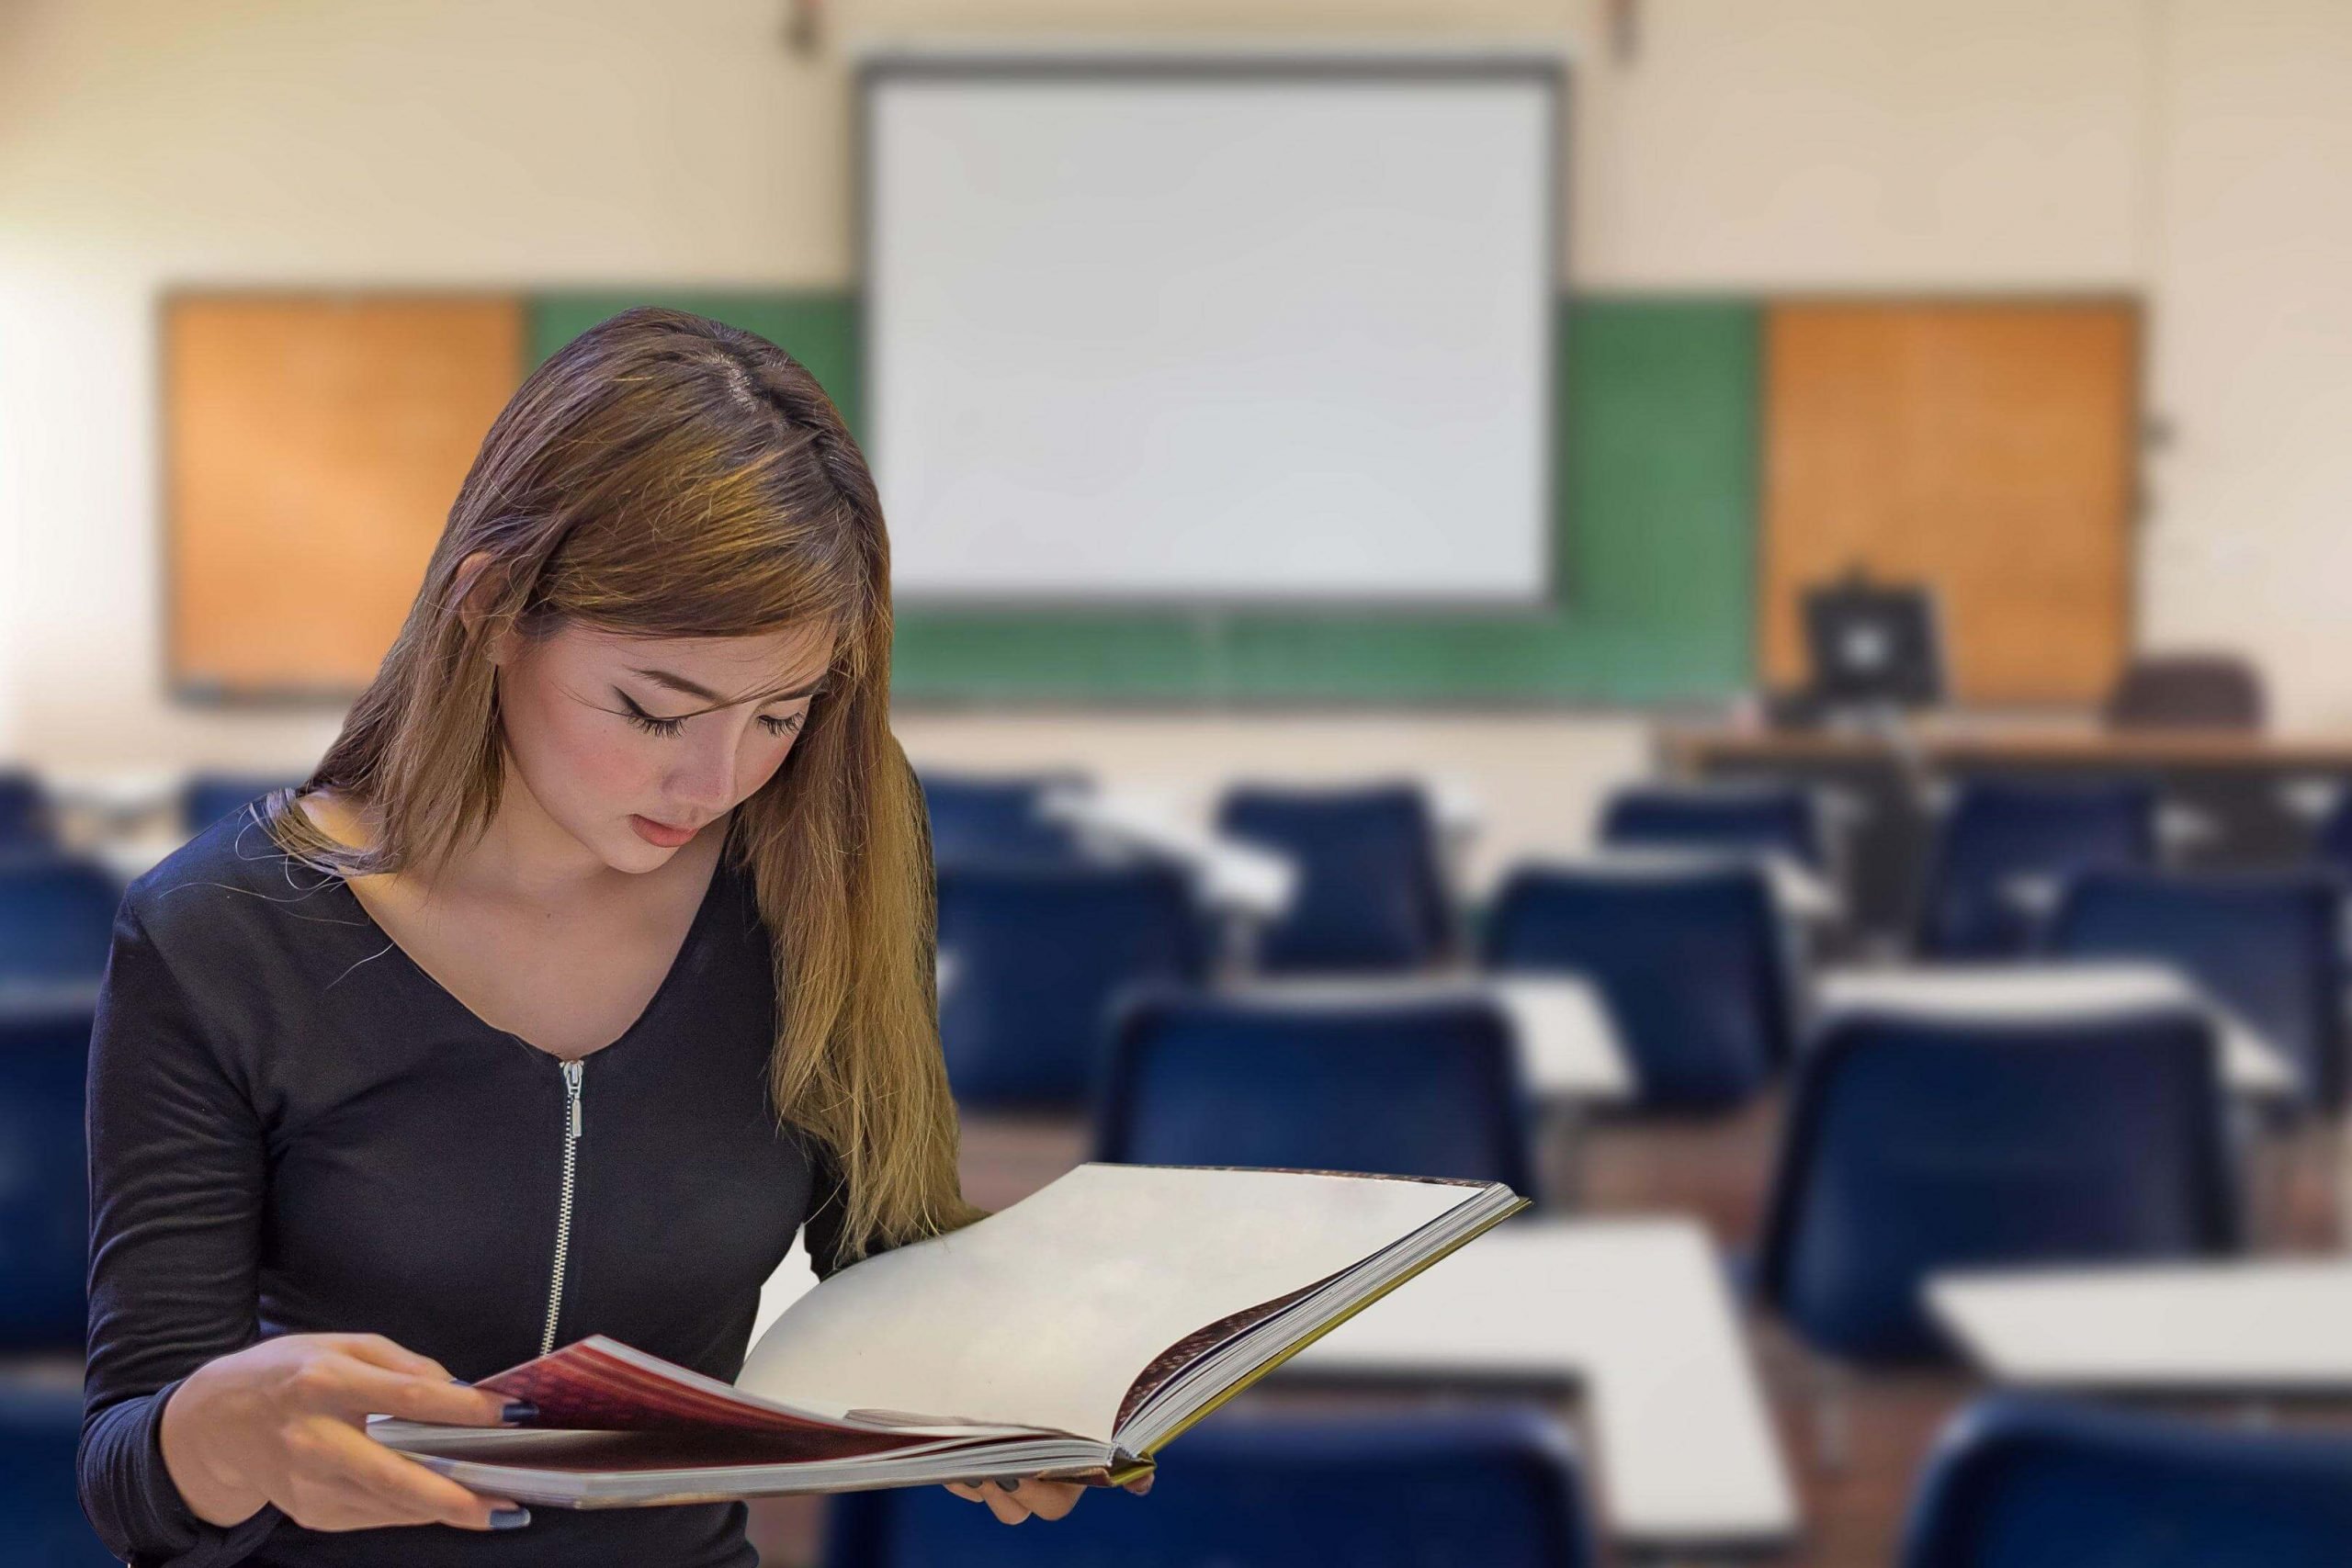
(1237, 955)
(1560, 1157)
(1832, 1413)
(2336, 1175)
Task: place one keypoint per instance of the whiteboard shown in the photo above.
(1213, 330)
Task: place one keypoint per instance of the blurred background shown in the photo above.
(1731, 613)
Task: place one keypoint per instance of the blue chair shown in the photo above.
(2022, 1483)
(25, 820)
(1494, 1488)
(42, 1523)
(2332, 835)
(56, 920)
(44, 1195)
(1034, 954)
(1372, 891)
(997, 817)
(1918, 1144)
(2269, 946)
(1403, 1089)
(206, 798)
(1770, 818)
(1999, 833)
(1692, 963)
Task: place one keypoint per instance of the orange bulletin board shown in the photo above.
(312, 447)
(1986, 448)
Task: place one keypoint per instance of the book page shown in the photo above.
(601, 1384)
(1044, 1314)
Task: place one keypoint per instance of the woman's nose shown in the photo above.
(708, 781)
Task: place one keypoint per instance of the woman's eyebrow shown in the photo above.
(697, 689)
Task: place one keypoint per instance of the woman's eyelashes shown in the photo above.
(776, 724)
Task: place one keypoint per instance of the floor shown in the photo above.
(1853, 1504)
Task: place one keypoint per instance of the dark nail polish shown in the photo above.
(509, 1518)
(519, 1410)
(1008, 1483)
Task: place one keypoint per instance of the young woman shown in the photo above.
(591, 963)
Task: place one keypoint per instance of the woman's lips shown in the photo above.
(659, 833)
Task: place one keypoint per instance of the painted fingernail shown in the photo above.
(1009, 1484)
(509, 1518)
(519, 1410)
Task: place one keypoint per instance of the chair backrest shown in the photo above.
(2332, 837)
(2018, 1482)
(975, 816)
(1424, 1087)
(2268, 946)
(1371, 892)
(1496, 1486)
(1921, 1143)
(2187, 690)
(1034, 954)
(25, 821)
(1999, 833)
(56, 919)
(1693, 961)
(205, 798)
(44, 1194)
(1767, 817)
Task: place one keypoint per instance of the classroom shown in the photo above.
(1727, 619)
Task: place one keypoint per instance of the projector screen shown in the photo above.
(1204, 331)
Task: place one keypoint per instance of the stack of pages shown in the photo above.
(1071, 1335)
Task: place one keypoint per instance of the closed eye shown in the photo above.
(776, 724)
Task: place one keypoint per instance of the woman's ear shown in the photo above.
(476, 588)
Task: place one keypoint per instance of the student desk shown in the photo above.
(1235, 874)
(1239, 878)
(1638, 1315)
(2264, 1328)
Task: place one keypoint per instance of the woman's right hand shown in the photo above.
(285, 1422)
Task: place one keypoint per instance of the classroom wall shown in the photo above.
(2180, 147)
(2250, 538)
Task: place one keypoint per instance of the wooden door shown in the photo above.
(1987, 449)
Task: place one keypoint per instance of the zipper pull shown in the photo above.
(571, 1070)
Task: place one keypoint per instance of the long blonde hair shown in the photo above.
(668, 475)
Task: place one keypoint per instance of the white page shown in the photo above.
(1044, 1312)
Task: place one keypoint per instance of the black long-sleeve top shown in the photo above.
(294, 1129)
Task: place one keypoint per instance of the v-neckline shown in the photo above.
(678, 965)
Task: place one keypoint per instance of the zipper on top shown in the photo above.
(571, 1131)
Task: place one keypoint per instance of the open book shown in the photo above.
(1071, 1335)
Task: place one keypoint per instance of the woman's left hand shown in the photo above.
(1029, 1494)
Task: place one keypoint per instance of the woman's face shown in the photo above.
(632, 745)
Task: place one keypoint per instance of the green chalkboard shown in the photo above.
(1657, 504)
